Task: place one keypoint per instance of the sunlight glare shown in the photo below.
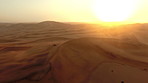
(114, 10)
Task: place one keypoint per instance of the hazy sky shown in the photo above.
(58, 10)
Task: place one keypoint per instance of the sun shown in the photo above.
(114, 10)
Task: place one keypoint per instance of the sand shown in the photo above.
(85, 60)
(91, 60)
(117, 56)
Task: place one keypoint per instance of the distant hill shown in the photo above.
(50, 22)
(46, 30)
(44, 24)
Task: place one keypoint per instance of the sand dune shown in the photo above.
(53, 52)
(92, 60)
(85, 60)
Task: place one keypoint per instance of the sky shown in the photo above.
(59, 10)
